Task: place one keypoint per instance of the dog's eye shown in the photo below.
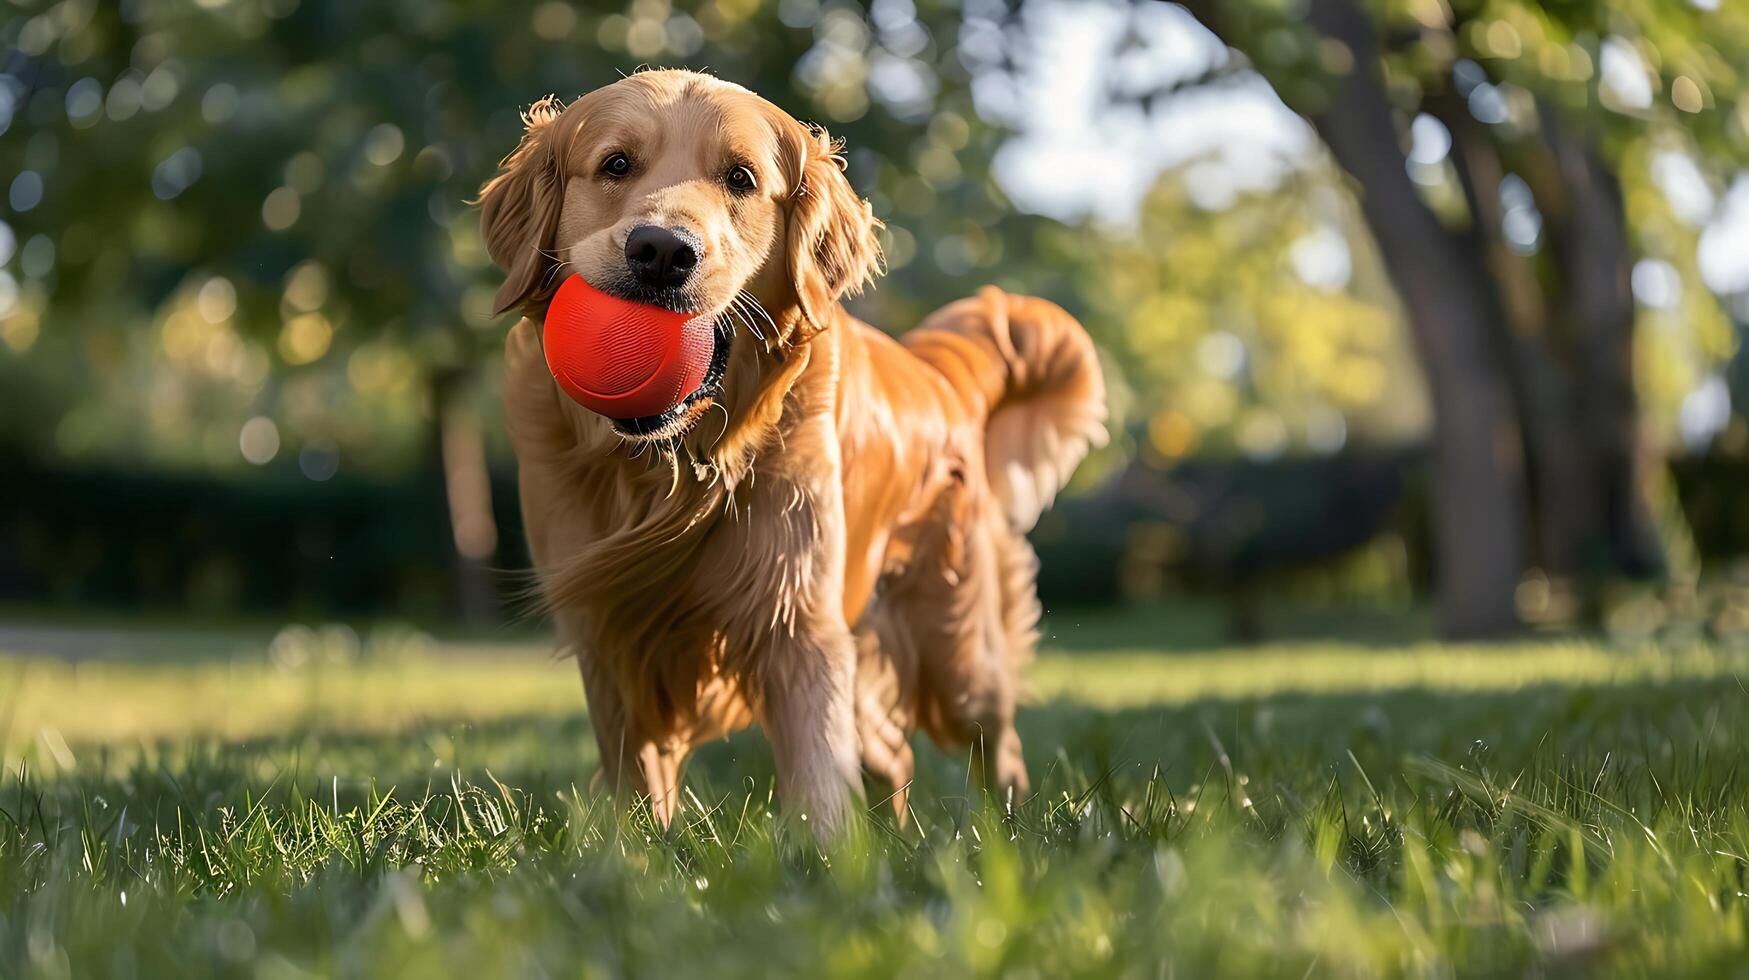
(740, 179)
(617, 165)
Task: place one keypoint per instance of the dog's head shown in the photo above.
(687, 192)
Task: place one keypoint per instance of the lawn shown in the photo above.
(314, 803)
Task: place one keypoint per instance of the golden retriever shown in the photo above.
(827, 537)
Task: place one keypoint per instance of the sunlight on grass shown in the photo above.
(1128, 679)
(56, 706)
(122, 703)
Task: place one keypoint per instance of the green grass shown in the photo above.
(325, 805)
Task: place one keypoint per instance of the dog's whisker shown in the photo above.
(747, 312)
(732, 316)
(740, 305)
(726, 421)
(674, 463)
(757, 308)
(550, 256)
(737, 318)
(552, 273)
(760, 309)
(765, 314)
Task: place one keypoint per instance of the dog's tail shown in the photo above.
(1030, 370)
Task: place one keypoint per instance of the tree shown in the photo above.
(247, 219)
(1526, 358)
(242, 225)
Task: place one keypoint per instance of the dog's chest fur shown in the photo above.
(685, 629)
(689, 579)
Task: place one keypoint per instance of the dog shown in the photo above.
(827, 538)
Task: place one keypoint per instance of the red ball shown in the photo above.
(622, 359)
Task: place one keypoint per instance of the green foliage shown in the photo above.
(1658, 83)
(1324, 810)
(1692, 63)
(259, 206)
(1227, 345)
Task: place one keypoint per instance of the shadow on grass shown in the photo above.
(1166, 627)
(175, 640)
(1288, 745)
(1197, 627)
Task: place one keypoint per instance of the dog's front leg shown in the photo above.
(634, 765)
(809, 717)
(805, 668)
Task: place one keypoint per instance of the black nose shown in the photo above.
(660, 256)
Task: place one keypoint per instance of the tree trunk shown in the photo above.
(1504, 341)
(1562, 492)
(1591, 246)
(1569, 347)
(1478, 517)
(467, 493)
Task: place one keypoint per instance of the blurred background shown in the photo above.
(1417, 312)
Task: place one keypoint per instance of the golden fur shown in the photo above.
(832, 545)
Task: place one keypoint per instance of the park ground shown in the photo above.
(330, 801)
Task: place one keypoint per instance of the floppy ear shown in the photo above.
(519, 210)
(831, 246)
